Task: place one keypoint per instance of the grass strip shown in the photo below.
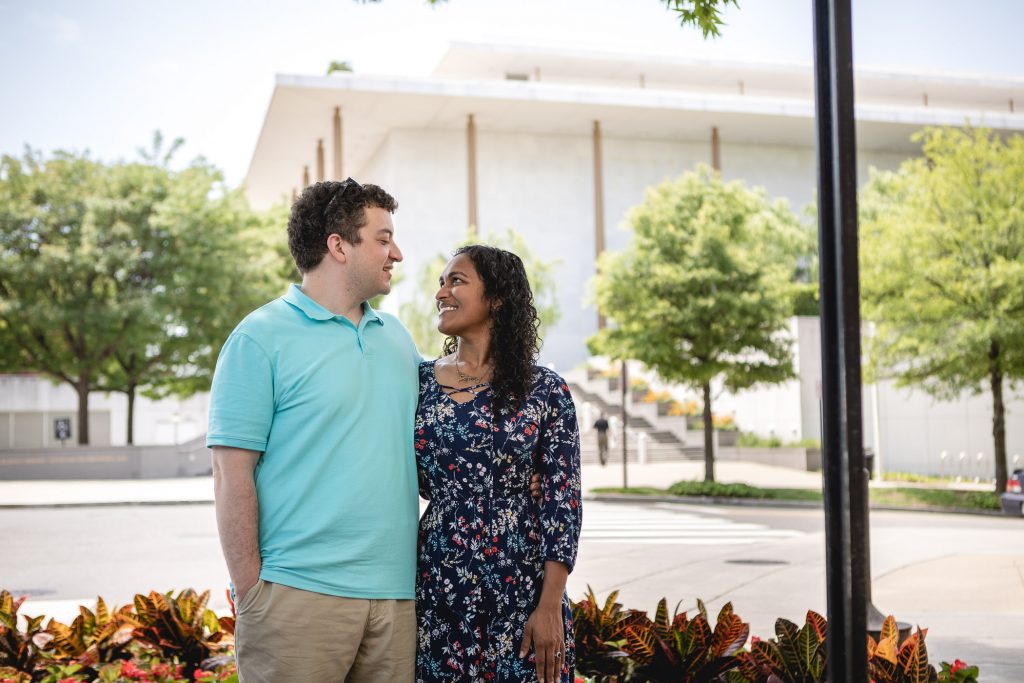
(941, 498)
(911, 498)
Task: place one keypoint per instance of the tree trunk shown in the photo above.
(131, 413)
(995, 368)
(82, 387)
(709, 436)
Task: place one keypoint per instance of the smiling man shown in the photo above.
(311, 417)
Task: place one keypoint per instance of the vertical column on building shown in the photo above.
(305, 176)
(716, 150)
(336, 144)
(598, 205)
(471, 173)
(320, 160)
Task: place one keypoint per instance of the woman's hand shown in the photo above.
(546, 632)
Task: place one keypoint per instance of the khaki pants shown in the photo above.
(285, 634)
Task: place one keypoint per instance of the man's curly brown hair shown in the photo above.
(514, 341)
(331, 207)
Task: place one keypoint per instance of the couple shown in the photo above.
(325, 423)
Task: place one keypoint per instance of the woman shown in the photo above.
(492, 565)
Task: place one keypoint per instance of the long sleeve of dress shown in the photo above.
(559, 465)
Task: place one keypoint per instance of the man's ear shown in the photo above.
(337, 248)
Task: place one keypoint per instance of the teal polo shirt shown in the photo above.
(331, 407)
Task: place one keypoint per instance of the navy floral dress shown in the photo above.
(483, 540)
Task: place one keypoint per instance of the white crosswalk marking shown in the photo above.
(622, 523)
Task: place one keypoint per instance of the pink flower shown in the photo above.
(957, 666)
(132, 672)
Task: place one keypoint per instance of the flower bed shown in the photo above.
(161, 638)
(616, 645)
(167, 638)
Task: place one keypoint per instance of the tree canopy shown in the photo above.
(705, 289)
(124, 276)
(942, 269)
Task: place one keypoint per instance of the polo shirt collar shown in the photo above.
(300, 300)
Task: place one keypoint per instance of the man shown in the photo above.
(601, 425)
(311, 420)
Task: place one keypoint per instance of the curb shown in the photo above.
(103, 504)
(770, 503)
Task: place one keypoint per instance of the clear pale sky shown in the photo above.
(103, 74)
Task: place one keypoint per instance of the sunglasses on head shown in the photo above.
(346, 186)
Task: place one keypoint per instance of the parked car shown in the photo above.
(1013, 500)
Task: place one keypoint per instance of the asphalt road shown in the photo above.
(962, 577)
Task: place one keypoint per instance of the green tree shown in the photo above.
(125, 276)
(705, 289)
(336, 65)
(419, 313)
(704, 14)
(212, 262)
(942, 269)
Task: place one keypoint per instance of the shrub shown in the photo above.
(751, 440)
(794, 655)
(683, 650)
(179, 628)
(639, 384)
(95, 637)
(891, 662)
(724, 423)
(21, 651)
(716, 489)
(180, 641)
(688, 650)
(600, 633)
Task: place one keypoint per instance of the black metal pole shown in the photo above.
(624, 377)
(842, 438)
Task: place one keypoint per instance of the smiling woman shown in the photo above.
(488, 420)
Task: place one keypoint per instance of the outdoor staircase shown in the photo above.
(662, 445)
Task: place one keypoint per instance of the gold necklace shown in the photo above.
(463, 377)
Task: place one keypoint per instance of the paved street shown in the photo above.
(768, 562)
(665, 524)
(961, 577)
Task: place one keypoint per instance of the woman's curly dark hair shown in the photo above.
(514, 340)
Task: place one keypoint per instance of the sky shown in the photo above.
(102, 75)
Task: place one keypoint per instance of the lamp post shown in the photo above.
(845, 486)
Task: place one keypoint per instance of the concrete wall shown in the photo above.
(915, 429)
(96, 462)
(806, 459)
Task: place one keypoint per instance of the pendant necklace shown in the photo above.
(463, 377)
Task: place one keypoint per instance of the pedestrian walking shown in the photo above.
(601, 425)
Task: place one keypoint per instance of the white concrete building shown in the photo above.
(559, 144)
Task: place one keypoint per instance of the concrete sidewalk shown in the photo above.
(200, 489)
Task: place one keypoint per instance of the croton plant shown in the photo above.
(176, 638)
